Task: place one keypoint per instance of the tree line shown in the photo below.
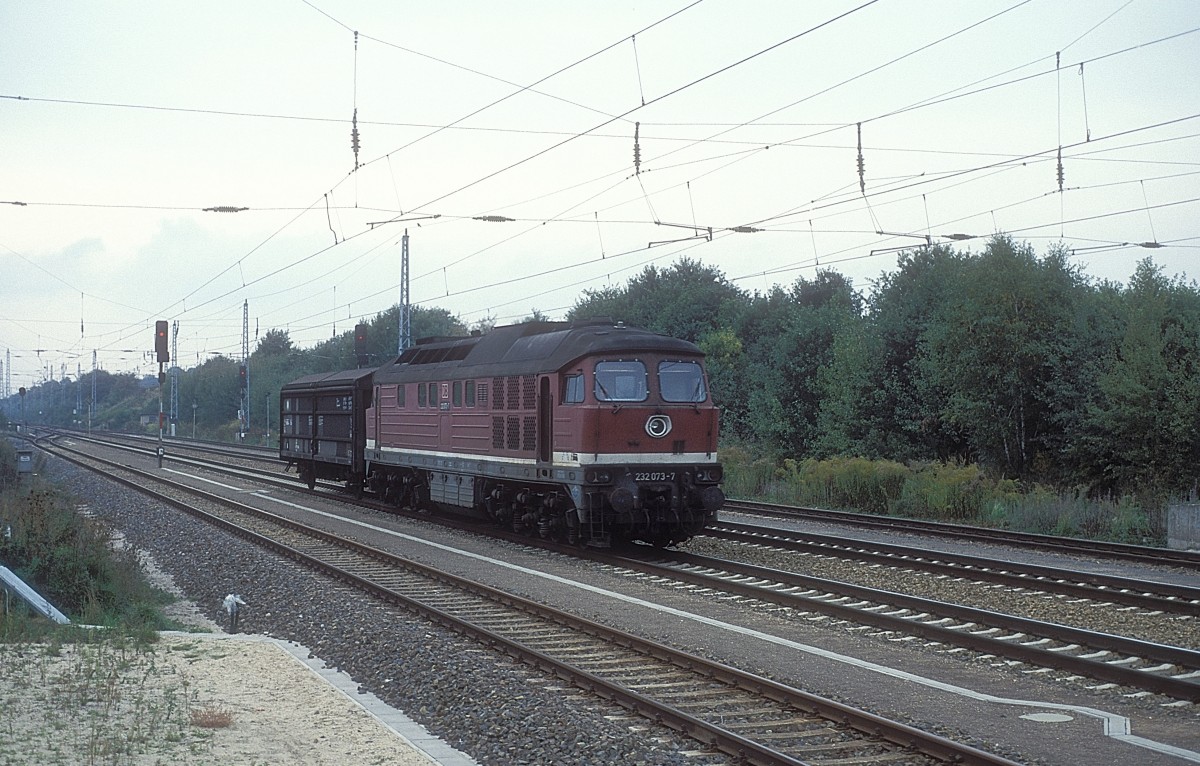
(1004, 358)
(1007, 359)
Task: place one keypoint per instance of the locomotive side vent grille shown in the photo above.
(498, 399)
(677, 446)
(481, 393)
(513, 433)
(497, 432)
(514, 394)
(528, 393)
(529, 433)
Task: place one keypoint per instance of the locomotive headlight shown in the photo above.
(709, 474)
(658, 426)
(597, 477)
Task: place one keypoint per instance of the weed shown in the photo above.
(211, 716)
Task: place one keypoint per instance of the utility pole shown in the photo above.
(78, 392)
(405, 307)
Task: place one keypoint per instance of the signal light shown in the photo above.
(360, 343)
(160, 341)
(242, 375)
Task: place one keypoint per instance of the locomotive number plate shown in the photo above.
(654, 476)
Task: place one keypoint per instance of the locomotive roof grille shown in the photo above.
(527, 349)
(434, 354)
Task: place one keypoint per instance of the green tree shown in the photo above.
(274, 343)
(687, 300)
(850, 395)
(996, 350)
(904, 417)
(725, 361)
(789, 340)
(1144, 428)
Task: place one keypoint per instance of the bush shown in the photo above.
(69, 559)
(867, 486)
(746, 476)
(1124, 520)
(955, 493)
(8, 464)
(942, 492)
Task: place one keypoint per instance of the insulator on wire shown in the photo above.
(354, 137)
(637, 149)
(862, 178)
(1060, 171)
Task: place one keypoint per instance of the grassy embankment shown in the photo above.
(940, 492)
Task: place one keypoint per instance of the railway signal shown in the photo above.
(160, 341)
(360, 344)
(164, 355)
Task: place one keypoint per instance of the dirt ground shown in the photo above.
(190, 698)
(99, 703)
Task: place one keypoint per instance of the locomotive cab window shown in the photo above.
(681, 382)
(400, 396)
(470, 393)
(458, 393)
(421, 400)
(621, 381)
(573, 389)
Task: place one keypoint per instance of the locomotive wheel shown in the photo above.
(419, 496)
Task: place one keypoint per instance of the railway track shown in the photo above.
(1077, 546)
(179, 444)
(1136, 666)
(1140, 593)
(748, 717)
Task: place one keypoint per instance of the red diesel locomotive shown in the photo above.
(591, 432)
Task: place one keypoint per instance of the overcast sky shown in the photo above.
(120, 122)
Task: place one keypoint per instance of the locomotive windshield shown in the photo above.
(681, 382)
(621, 381)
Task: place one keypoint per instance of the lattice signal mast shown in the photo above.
(405, 340)
(92, 401)
(244, 371)
(174, 372)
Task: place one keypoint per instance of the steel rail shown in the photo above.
(1105, 671)
(1079, 546)
(1142, 593)
(772, 583)
(747, 750)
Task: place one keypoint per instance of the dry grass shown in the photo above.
(211, 716)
